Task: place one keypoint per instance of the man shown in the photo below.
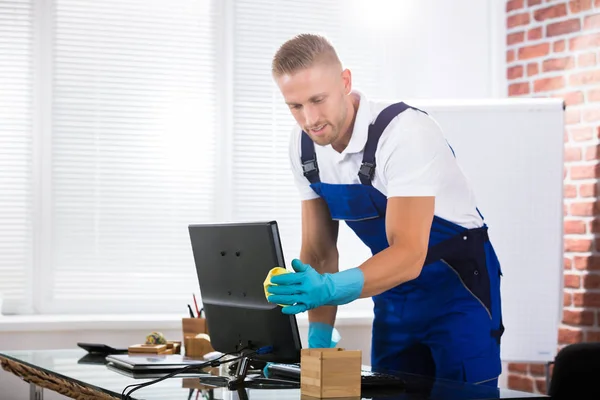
(388, 172)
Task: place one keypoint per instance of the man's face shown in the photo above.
(316, 97)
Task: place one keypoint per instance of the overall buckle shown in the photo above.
(367, 169)
(310, 166)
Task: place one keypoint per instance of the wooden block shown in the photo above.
(147, 348)
(197, 347)
(175, 346)
(330, 373)
(193, 326)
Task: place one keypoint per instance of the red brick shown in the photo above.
(579, 317)
(519, 382)
(585, 78)
(512, 5)
(574, 227)
(558, 64)
(593, 95)
(591, 22)
(572, 154)
(510, 56)
(591, 153)
(572, 116)
(563, 27)
(517, 367)
(572, 98)
(589, 263)
(585, 171)
(572, 281)
(584, 208)
(567, 263)
(594, 229)
(514, 72)
(586, 60)
(591, 115)
(597, 3)
(577, 245)
(588, 189)
(568, 336)
(557, 11)
(586, 299)
(570, 191)
(592, 336)
(535, 33)
(532, 69)
(517, 20)
(517, 89)
(585, 42)
(591, 281)
(536, 369)
(559, 46)
(581, 133)
(514, 38)
(531, 3)
(540, 385)
(548, 84)
(534, 51)
(576, 6)
(567, 299)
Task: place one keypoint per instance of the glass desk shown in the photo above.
(69, 373)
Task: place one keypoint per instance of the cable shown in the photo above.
(212, 363)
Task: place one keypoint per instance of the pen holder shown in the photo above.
(330, 373)
(195, 337)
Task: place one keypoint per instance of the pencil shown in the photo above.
(196, 304)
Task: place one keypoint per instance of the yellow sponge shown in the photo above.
(273, 272)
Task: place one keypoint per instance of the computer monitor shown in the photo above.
(232, 261)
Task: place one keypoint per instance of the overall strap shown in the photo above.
(309, 159)
(367, 168)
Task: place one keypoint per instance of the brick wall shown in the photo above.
(553, 49)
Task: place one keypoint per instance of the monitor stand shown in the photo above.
(239, 380)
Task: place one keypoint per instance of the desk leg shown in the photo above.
(35, 392)
(548, 375)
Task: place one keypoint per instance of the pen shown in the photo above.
(191, 312)
(196, 304)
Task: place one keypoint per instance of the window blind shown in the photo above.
(132, 153)
(263, 187)
(16, 178)
(262, 182)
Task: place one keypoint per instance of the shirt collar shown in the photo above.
(360, 131)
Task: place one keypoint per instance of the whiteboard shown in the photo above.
(512, 152)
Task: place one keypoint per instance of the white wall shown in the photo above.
(457, 51)
(445, 49)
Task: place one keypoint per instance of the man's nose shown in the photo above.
(311, 115)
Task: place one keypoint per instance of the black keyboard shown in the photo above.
(369, 379)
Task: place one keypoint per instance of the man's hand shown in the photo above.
(307, 289)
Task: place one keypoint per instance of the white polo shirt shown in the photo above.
(413, 159)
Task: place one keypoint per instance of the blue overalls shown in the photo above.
(447, 322)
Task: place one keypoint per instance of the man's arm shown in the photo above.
(319, 249)
(408, 222)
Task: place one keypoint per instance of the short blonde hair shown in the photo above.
(303, 51)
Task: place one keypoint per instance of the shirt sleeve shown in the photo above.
(303, 185)
(411, 153)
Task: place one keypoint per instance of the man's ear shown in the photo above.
(347, 81)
